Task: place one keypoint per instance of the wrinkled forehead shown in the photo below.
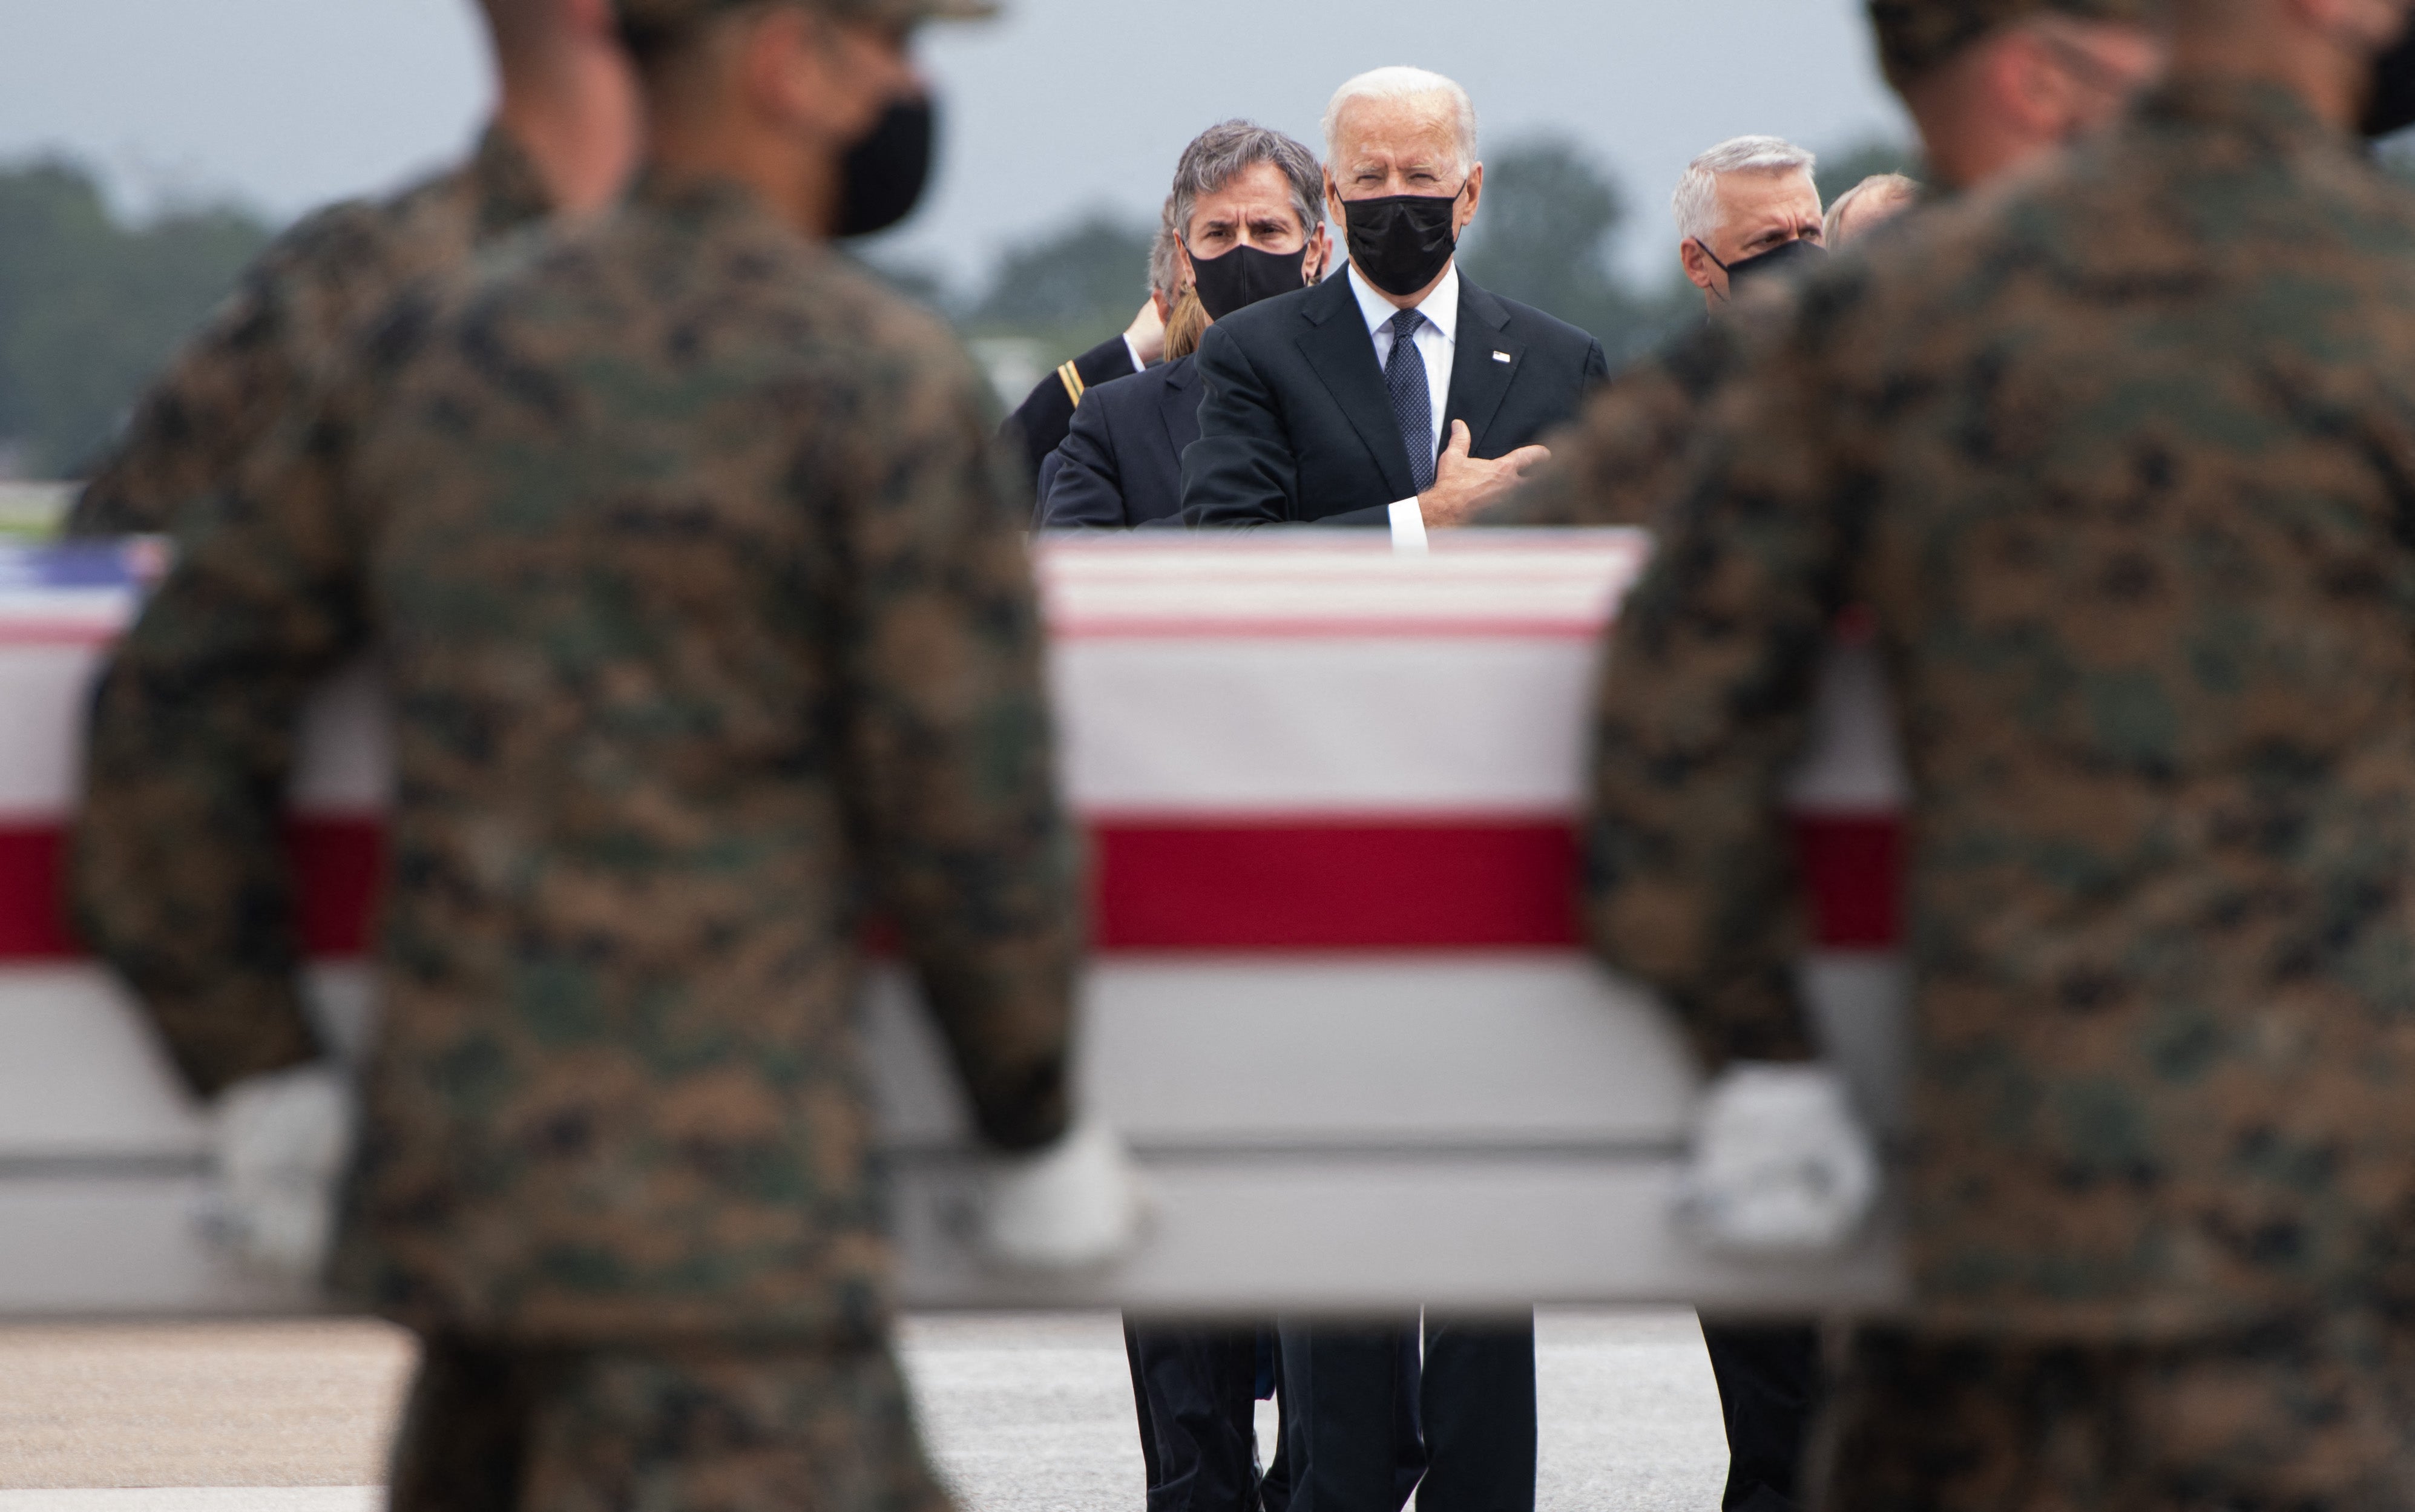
(1259, 189)
(1423, 129)
(1754, 195)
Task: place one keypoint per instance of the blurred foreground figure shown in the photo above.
(564, 139)
(2116, 456)
(681, 546)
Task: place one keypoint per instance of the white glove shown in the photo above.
(1781, 1164)
(1074, 1205)
(280, 1144)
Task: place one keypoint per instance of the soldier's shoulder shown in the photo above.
(855, 330)
(328, 243)
(647, 292)
(344, 236)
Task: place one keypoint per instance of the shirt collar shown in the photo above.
(1440, 307)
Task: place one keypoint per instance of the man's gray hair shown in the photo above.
(1164, 268)
(1696, 203)
(1228, 149)
(1397, 84)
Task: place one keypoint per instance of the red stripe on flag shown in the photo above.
(340, 869)
(1284, 885)
(340, 865)
(1853, 868)
(1225, 885)
(33, 911)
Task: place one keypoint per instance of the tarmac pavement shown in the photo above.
(1024, 1414)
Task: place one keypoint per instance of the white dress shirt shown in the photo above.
(1438, 342)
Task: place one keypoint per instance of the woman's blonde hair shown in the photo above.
(1184, 325)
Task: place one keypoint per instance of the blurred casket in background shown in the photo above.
(1338, 1005)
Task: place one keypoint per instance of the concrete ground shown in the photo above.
(1024, 1413)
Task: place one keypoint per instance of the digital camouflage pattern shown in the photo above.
(683, 549)
(296, 310)
(2284, 1418)
(708, 1429)
(1915, 35)
(1625, 453)
(2122, 461)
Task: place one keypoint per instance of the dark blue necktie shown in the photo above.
(1411, 401)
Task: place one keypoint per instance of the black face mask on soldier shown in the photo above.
(2391, 106)
(1402, 242)
(1799, 254)
(1244, 275)
(882, 177)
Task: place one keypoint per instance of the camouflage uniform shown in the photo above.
(286, 327)
(2123, 461)
(685, 555)
(1627, 451)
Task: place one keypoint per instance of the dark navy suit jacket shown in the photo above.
(1121, 463)
(1297, 425)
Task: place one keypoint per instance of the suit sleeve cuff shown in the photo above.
(1134, 353)
(1408, 529)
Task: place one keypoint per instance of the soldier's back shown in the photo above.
(686, 564)
(2134, 443)
(2119, 455)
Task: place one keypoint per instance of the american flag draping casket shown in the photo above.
(1337, 1006)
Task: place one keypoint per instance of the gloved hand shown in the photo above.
(1781, 1164)
(1075, 1205)
(279, 1144)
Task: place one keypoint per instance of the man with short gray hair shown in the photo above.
(1746, 207)
(1401, 395)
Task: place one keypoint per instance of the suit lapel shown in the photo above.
(1480, 379)
(1342, 356)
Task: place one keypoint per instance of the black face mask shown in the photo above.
(2392, 105)
(1402, 242)
(1799, 255)
(882, 177)
(1244, 275)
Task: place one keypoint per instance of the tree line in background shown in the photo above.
(90, 306)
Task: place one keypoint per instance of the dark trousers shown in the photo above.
(1770, 1393)
(1369, 1417)
(1195, 1390)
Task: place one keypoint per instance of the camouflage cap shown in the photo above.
(677, 15)
(1915, 35)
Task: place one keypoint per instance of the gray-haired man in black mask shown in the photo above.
(1744, 208)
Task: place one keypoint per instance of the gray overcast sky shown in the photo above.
(1063, 105)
